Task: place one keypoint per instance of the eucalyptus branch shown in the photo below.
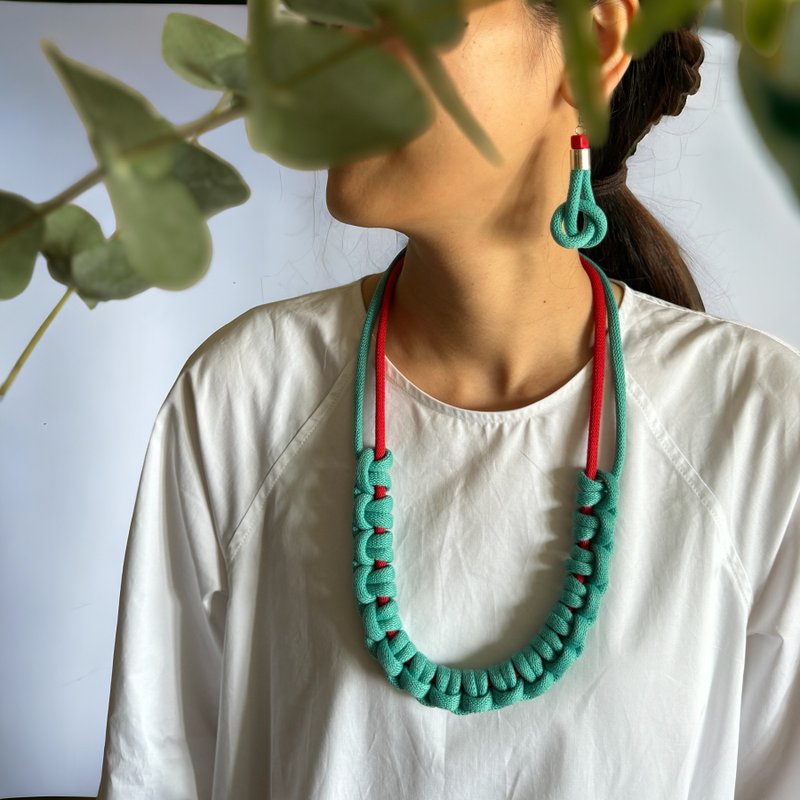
(200, 184)
(191, 130)
(208, 122)
(29, 349)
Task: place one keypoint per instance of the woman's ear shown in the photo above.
(610, 22)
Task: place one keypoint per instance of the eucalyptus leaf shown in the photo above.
(69, 230)
(122, 125)
(103, 272)
(733, 18)
(17, 250)
(166, 238)
(231, 72)
(764, 24)
(318, 97)
(440, 23)
(213, 183)
(582, 59)
(204, 53)
(357, 13)
(771, 89)
(787, 60)
(656, 17)
(426, 26)
(415, 32)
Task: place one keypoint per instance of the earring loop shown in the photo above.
(580, 200)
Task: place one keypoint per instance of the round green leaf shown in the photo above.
(771, 89)
(213, 183)
(69, 230)
(764, 24)
(166, 239)
(581, 54)
(318, 97)
(656, 17)
(357, 13)
(120, 122)
(103, 272)
(202, 52)
(17, 250)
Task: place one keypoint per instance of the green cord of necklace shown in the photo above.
(532, 670)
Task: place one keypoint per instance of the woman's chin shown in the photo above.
(348, 191)
(344, 201)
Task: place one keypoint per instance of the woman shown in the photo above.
(247, 663)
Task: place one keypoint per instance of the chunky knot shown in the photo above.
(600, 495)
(369, 546)
(371, 512)
(372, 582)
(579, 198)
(527, 674)
(371, 472)
(530, 671)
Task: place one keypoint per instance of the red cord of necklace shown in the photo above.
(598, 378)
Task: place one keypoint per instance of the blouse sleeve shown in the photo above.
(769, 732)
(164, 697)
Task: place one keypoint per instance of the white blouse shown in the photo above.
(240, 669)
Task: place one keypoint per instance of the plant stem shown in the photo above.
(214, 119)
(201, 125)
(38, 335)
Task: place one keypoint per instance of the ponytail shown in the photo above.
(637, 249)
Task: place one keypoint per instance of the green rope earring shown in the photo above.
(580, 198)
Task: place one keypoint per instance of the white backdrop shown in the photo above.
(75, 423)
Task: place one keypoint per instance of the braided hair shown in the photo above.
(637, 249)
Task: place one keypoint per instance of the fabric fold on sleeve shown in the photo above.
(165, 685)
(768, 765)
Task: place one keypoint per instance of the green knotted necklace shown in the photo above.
(532, 670)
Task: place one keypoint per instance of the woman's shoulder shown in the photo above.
(668, 341)
(276, 361)
(720, 399)
(721, 391)
(256, 382)
(718, 394)
(282, 333)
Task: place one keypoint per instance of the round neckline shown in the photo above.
(578, 381)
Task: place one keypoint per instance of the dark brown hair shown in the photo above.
(637, 249)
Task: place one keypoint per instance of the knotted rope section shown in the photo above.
(530, 671)
(580, 197)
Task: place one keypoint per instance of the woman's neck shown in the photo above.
(485, 344)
